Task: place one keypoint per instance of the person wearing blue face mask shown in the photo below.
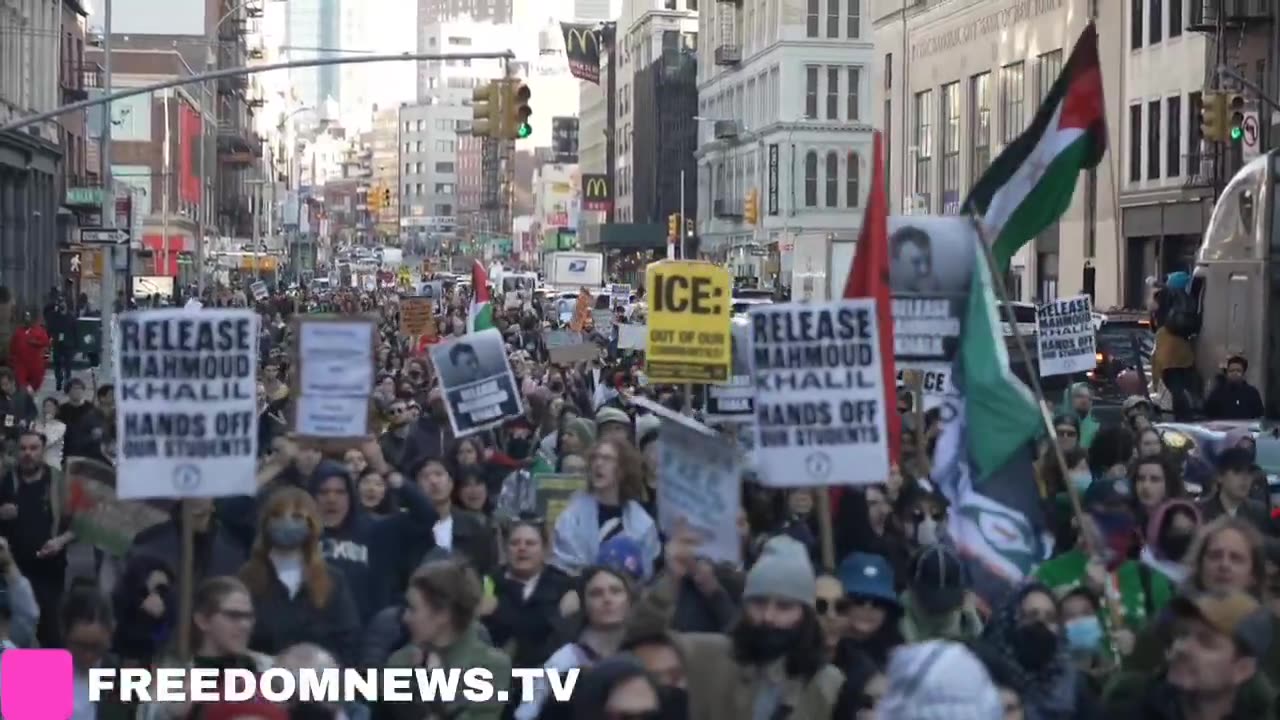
(1086, 639)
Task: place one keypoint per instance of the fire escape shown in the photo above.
(239, 147)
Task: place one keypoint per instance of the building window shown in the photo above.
(811, 22)
(1135, 24)
(1153, 140)
(811, 92)
(1173, 138)
(980, 124)
(951, 148)
(888, 143)
(811, 179)
(833, 93)
(851, 194)
(1175, 18)
(855, 19)
(1194, 103)
(833, 179)
(833, 18)
(1048, 68)
(851, 94)
(888, 70)
(1135, 143)
(923, 119)
(1013, 86)
(1155, 23)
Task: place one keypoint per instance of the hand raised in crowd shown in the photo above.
(704, 577)
(680, 552)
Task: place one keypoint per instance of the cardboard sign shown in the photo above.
(417, 316)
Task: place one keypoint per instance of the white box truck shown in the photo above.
(569, 271)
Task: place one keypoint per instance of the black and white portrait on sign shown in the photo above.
(931, 261)
(479, 388)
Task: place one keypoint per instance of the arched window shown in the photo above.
(851, 195)
(811, 179)
(833, 179)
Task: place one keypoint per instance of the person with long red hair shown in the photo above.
(297, 596)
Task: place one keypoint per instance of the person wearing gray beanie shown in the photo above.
(938, 680)
(782, 571)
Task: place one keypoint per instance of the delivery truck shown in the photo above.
(570, 271)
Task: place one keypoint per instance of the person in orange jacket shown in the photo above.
(27, 353)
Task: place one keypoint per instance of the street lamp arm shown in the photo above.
(233, 11)
(1223, 70)
(239, 71)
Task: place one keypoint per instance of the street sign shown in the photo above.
(103, 236)
(1250, 146)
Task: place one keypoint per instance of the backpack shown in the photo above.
(1183, 317)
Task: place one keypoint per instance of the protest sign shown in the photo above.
(565, 347)
(700, 474)
(98, 517)
(333, 384)
(602, 322)
(935, 386)
(689, 309)
(819, 395)
(632, 337)
(186, 409)
(260, 291)
(479, 388)
(1065, 334)
(620, 293)
(553, 493)
(734, 401)
(417, 316)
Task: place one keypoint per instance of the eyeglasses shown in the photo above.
(839, 605)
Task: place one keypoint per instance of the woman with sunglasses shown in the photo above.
(870, 609)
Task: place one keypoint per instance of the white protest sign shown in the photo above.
(935, 382)
(632, 337)
(1065, 334)
(260, 291)
(334, 365)
(186, 403)
(701, 478)
(819, 394)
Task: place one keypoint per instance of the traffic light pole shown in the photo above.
(121, 94)
(1224, 71)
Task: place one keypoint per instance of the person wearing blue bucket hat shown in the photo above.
(872, 609)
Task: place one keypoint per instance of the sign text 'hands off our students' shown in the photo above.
(1065, 334)
(819, 394)
(187, 417)
(689, 308)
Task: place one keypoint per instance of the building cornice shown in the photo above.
(780, 127)
(745, 67)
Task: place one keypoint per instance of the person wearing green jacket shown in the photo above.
(1078, 401)
(442, 601)
(1135, 592)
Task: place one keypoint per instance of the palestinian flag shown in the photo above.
(983, 460)
(480, 314)
(1029, 186)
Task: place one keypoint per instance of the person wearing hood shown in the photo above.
(364, 546)
(145, 606)
(774, 658)
(1173, 359)
(1027, 631)
(430, 437)
(1078, 402)
(1170, 532)
(618, 687)
(937, 604)
(935, 680)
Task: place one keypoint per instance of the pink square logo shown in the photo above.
(36, 685)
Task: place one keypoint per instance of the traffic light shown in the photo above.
(375, 201)
(386, 197)
(1236, 107)
(673, 225)
(485, 106)
(751, 211)
(515, 110)
(1213, 116)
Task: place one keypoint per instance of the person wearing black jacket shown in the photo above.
(62, 334)
(1232, 397)
(145, 606)
(527, 595)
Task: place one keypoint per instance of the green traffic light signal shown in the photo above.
(524, 131)
(1237, 133)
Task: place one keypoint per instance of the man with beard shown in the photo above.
(393, 441)
(772, 664)
(34, 519)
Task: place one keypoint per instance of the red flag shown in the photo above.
(869, 278)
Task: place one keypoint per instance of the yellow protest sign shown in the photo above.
(689, 308)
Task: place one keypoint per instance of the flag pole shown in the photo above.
(1077, 508)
